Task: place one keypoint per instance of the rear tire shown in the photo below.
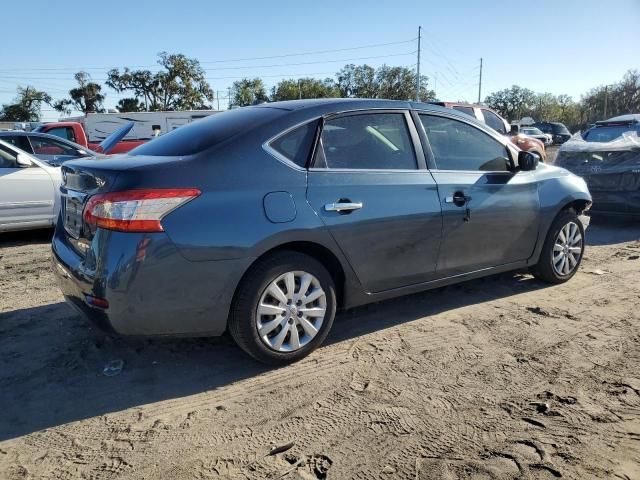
(272, 318)
(562, 250)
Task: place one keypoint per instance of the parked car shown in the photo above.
(29, 190)
(499, 124)
(30, 186)
(607, 156)
(264, 220)
(613, 128)
(538, 134)
(55, 150)
(558, 131)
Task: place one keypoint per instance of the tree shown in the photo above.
(393, 83)
(357, 81)
(248, 92)
(304, 88)
(512, 103)
(26, 107)
(399, 83)
(182, 85)
(130, 105)
(85, 98)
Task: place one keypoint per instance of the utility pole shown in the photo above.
(606, 98)
(418, 67)
(480, 82)
(435, 86)
(218, 98)
(229, 96)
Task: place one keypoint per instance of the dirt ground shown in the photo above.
(503, 377)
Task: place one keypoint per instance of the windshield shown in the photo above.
(207, 132)
(607, 134)
(559, 128)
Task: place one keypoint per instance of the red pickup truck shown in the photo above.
(74, 131)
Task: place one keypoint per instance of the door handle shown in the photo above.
(343, 206)
(459, 199)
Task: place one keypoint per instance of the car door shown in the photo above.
(490, 213)
(26, 193)
(369, 185)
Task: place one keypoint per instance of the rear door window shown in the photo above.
(375, 141)
(468, 110)
(296, 144)
(494, 121)
(63, 132)
(49, 146)
(459, 146)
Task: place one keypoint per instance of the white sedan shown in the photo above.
(29, 190)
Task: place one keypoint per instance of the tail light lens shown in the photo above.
(135, 210)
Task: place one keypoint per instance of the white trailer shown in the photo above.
(146, 125)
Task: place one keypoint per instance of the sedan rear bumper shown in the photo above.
(151, 289)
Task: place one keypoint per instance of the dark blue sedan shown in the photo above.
(264, 220)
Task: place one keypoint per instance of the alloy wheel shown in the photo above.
(567, 249)
(291, 311)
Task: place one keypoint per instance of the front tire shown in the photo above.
(284, 308)
(562, 250)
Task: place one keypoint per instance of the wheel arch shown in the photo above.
(578, 205)
(316, 251)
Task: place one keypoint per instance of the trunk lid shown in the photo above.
(81, 179)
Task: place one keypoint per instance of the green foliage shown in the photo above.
(248, 92)
(357, 81)
(511, 103)
(620, 98)
(130, 105)
(182, 85)
(304, 88)
(26, 106)
(393, 83)
(86, 97)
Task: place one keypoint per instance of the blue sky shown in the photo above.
(561, 46)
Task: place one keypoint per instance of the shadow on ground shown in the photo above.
(51, 360)
(26, 237)
(607, 230)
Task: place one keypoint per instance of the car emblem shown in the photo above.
(596, 169)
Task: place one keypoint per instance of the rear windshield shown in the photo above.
(607, 134)
(207, 132)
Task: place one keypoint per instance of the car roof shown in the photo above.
(355, 103)
(12, 133)
(627, 119)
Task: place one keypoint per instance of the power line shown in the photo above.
(102, 79)
(232, 60)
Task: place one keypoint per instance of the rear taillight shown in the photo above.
(135, 210)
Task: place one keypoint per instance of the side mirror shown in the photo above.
(23, 160)
(528, 161)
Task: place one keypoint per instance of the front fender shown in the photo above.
(557, 189)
